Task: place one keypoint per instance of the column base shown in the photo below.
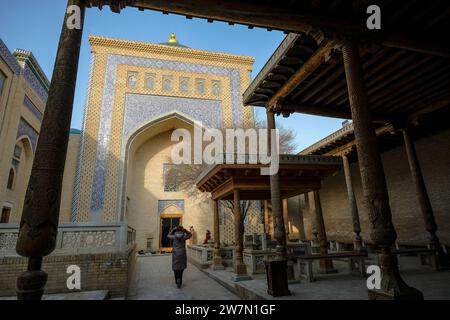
(218, 267)
(240, 270)
(392, 285)
(31, 284)
(238, 278)
(217, 263)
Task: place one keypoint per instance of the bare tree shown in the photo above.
(183, 177)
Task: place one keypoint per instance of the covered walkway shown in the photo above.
(341, 286)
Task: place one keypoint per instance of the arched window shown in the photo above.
(132, 79)
(216, 88)
(150, 81)
(167, 83)
(11, 179)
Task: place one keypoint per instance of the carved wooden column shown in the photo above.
(266, 217)
(315, 239)
(217, 258)
(277, 211)
(276, 270)
(352, 203)
(285, 203)
(326, 266)
(39, 223)
(301, 226)
(373, 180)
(424, 200)
(240, 269)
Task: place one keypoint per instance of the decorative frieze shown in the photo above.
(32, 108)
(8, 241)
(163, 204)
(25, 129)
(92, 239)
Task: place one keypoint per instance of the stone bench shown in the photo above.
(427, 256)
(356, 262)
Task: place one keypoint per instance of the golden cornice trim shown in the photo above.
(169, 50)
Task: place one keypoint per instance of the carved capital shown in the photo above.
(115, 5)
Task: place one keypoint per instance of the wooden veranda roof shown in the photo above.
(343, 140)
(298, 174)
(310, 78)
(417, 25)
(406, 62)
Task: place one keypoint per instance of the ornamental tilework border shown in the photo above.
(163, 204)
(76, 191)
(26, 72)
(34, 83)
(9, 59)
(140, 109)
(25, 129)
(104, 132)
(32, 108)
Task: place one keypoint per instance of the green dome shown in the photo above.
(75, 131)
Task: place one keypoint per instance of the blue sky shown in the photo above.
(35, 26)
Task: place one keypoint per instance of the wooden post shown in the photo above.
(373, 180)
(326, 266)
(217, 258)
(266, 217)
(352, 203)
(286, 217)
(240, 268)
(39, 223)
(424, 200)
(278, 221)
(301, 226)
(276, 270)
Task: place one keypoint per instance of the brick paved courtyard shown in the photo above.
(153, 280)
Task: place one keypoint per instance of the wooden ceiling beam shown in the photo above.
(301, 74)
(288, 18)
(325, 112)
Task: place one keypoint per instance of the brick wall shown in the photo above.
(98, 272)
(434, 157)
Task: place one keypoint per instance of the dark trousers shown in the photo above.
(178, 275)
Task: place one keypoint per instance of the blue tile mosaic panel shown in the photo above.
(100, 167)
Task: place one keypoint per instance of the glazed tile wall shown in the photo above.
(26, 130)
(104, 134)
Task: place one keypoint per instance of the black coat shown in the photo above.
(179, 258)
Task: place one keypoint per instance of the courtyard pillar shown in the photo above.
(326, 266)
(286, 217)
(301, 226)
(315, 239)
(275, 192)
(240, 269)
(266, 217)
(424, 200)
(352, 203)
(217, 258)
(276, 270)
(373, 180)
(39, 222)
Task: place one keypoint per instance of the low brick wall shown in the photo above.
(108, 271)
